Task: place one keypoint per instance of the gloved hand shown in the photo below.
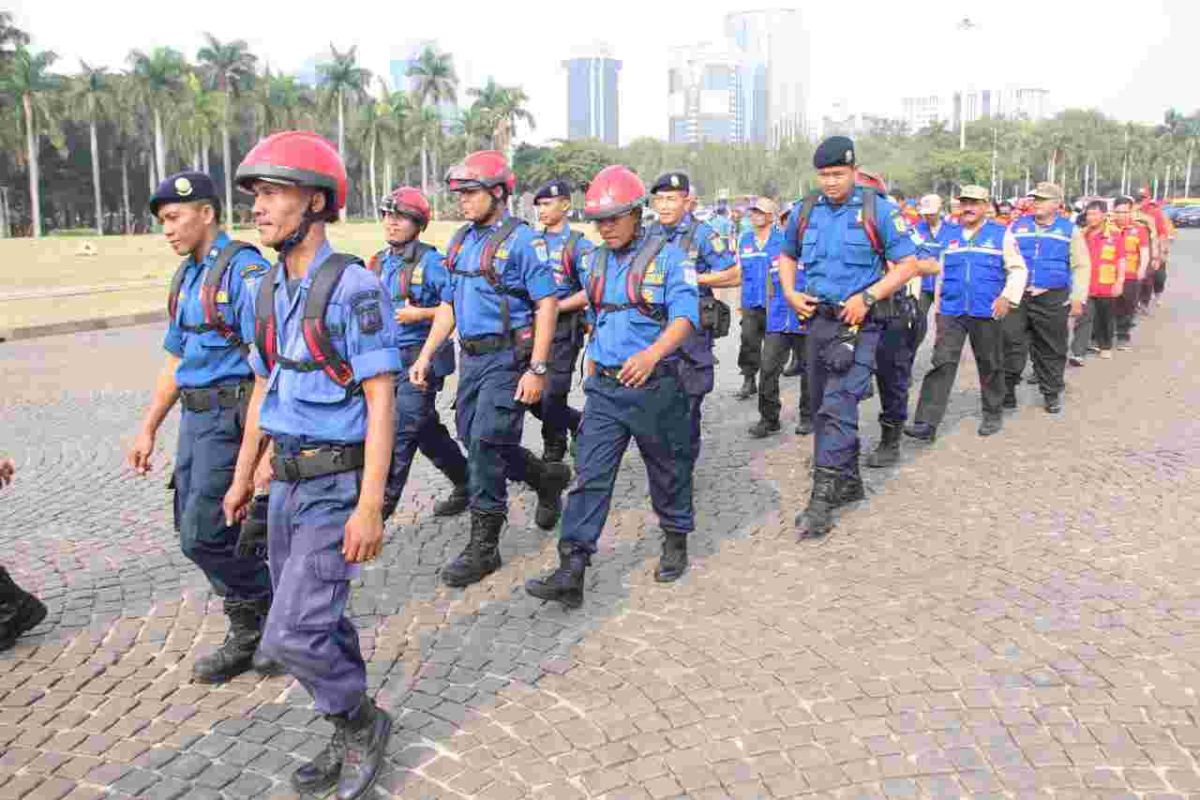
(252, 541)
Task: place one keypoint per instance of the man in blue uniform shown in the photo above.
(757, 251)
(562, 249)
(415, 276)
(211, 322)
(784, 330)
(324, 360)
(934, 232)
(716, 267)
(845, 279)
(983, 278)
(643, 300)
(503, 300)
(1059, 275)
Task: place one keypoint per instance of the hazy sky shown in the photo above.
(868, 52)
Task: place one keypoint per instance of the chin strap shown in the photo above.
(297, 236)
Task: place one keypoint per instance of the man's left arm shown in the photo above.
(543, 292)
(1081, 271)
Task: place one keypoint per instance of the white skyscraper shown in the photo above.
(702, 98)
(773, 73)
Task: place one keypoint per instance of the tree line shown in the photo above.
(84, 150)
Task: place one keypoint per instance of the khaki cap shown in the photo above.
(766, 205)
(930, 204)
(1047, 191)
(971, 192)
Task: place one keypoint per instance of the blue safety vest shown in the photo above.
(973, 273)
(1047, 251)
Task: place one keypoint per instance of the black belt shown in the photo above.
(210, 397)
(483, 345)
(828, 310)
(613, 373)
(313, 462)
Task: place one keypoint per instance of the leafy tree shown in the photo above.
(228, 68)
(27, 79)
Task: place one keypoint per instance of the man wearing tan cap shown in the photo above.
(757, 249)
(983, 278)
(1059, 273)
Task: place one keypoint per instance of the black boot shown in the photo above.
(805, 426)
(748, 390)
(548, 480)
(992, 424)
(20, 611)
(321, 774)
(554, 446)
(453, 505)
(236, 654)
(922, 431)
(817, 519)
(564, 584)
(1010, 397)
(764, 428)
(481, 556)
(367, 731)
(674, 559)
(1053, 403)
(887, 452)
(850, 487)
(262, 663)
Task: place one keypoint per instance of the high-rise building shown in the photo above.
(772, 75)
(1010, 102)
(702, 94)
(592, 100)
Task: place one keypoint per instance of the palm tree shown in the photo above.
(202, 111)
(228, 67)
(160, 73)
(398, 114)
(435, 83)
(343, 79)
(11, 37)
(27, 79)
(505, 106)
(373, 120)
(89, 93)
(280, 103)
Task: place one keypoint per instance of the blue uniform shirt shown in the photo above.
(476, 303)
(362, 328)
(207, 359)
(429, 280)
(670, 281)
(837, 255)
(931, 247)
(707, 250)
(756, 262)
(549, 247)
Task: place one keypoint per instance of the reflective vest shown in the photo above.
(973, 273)
(1047, 251)
(1107, 250)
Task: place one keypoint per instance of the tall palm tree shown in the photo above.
(228, 67)
(435, 83)
(398, 117)
(505, 106)
(372, 129)
(281, 102)
(342, 80)
(202, 111)
(11, 37)
(160, 73)
(88, 96)
(27, 80)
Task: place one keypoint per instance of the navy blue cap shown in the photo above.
(836, 151)
(553, 188)
(671, 182)
(183, 187)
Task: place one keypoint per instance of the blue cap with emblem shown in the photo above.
(836, 151)
(671, 182)
(553, 188)
(185, 187)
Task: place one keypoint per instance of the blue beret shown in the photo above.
(183, 187)
(553, 188)
(836, 151)
(671, 182)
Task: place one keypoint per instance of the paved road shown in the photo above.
(1016, 616)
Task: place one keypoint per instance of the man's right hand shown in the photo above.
(803, 304)
(141, 452)
(418, 373)
(237, 501)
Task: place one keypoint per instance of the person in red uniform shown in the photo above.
(1106, 247)
(1137, 239)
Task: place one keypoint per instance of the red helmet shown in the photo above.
(301, 158)
(407, 201)
(481, 169)
(615, 190)
(871, 179)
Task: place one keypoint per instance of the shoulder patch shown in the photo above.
(899, 222)
(716, 241)
(367, 308)
(254, 269)
(689, 272)
(540, 248)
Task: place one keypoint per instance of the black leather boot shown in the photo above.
(749, 388)
(817, 519)
(323, 771)
(481, 556)
(548, 480)
(236, 654)
(554, 446)
(850, 487)
(805, 426)
(887, 452)
(565, 584)
(453, 505)
(674, 559)
(367, 731)
(763, 428)
(264, 664)
(20, 611)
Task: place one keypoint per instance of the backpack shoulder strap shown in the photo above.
(596, 277)
(316, 335)
(806, 209)
(570, 254)
(870, 199)
(176, 286)
(265, 333)
(375, 263)
(212, 287)
(410, 258)
(455, 246)
(492, 246)
(637, 273)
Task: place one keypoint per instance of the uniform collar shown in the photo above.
(855, 198)
(488, 228)
(211, 256)
(323, 252)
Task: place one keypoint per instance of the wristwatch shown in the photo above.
(868, 297)
(537, 367)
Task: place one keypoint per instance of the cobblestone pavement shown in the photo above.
(1012, 617)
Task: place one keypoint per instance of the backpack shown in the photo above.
(869, 221)
(213, 321)
(486, 264)
(411, 255)
(646, 253)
